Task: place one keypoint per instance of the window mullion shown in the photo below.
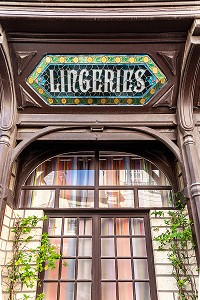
(96, 182)
(96, 259)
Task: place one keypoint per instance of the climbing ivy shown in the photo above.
(27, 261)
(178, 241)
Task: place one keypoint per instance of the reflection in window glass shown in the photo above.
(139, 247)
(107, 247)
(141, 269)
(137, 226)
(68, 269)
(56, 242)
(125, 290)
(122, 226)
(123, 247)
(84, 269)
(129, 170)
(52, 273)
(107, 226)
(85, 247)
(50, 290)
(108, 269)
(64, 170)
(142, 291)
(38, 198)
(69, 246)
(154, 198)
(84, 291)
(108, 291)
(76, 198)
(70, 226)
(116, 198)
(85, 226)
(66, 291)
(54, 227)
(124, 269)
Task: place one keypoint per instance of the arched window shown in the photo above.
(96, 180)
(98, 208)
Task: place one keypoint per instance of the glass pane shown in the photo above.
(139, 247)
(142, 291)
(115, 169)
(125, 291)
(124, 269)
(50, 290)
(123, 247)
(107, 247)
(108, 291)
(76, 198)
(52, 273)
(55, 225)
(122, 226)
(107, 226)
(68, 269)
(85, 247)
(56, 243)
(37, 198)
(141, 269)
(155, 198)
(64, 170)
(66, 291)
(83, 291)
(70, 226)
(137, 226)
(116, 198)
(69, 246)
(85, 226)
(108, 269)
(84, 269)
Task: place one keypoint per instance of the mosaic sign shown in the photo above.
(96, 79)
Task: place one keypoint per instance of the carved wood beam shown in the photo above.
(189, 83)
(7, 113)
(190, 78)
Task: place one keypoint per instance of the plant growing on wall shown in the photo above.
(178, 241)
(27, 261)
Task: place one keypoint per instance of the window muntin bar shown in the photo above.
(119, 269)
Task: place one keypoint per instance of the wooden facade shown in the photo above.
(165, 130)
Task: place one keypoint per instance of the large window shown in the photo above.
(103, 256)
(98, 204)
(96, 180)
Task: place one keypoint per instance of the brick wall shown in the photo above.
(166, 284)
(6, 246)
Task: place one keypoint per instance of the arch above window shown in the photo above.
(96, 180)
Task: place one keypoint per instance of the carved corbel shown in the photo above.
(8, 114)
(190, 78)
(7, 90)
(189, 83)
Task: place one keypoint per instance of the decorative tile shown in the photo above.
(101, 79)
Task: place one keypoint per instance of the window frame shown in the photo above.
(135, 188)
(96, 255)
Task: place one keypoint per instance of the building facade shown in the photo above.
(99, 127)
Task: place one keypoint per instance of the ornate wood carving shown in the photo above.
(190, 79)
(23, 58)
(8, 104)
(27, 100)
(166, 99)
(8, 114)
(170, 58)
